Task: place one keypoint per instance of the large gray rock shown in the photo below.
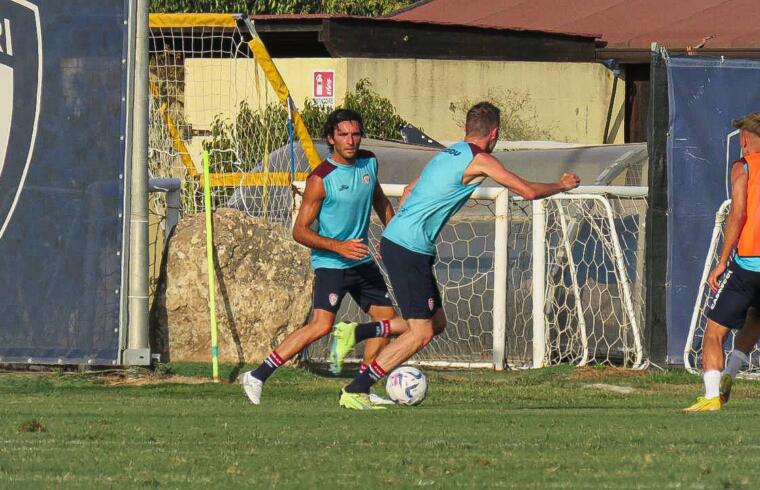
(263, 292)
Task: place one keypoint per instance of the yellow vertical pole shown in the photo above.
(211, 274)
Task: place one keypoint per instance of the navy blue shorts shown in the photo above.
(411, 275)
(738, 289)
(364, 283)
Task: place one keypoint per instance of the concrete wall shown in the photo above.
(570, 100)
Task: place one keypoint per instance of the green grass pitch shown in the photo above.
(552, 428)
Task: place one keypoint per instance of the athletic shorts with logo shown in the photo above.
(411, 275)
(738, 289)
(363, 282)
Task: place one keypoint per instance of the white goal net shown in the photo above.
(693, 350)
(581, 302)
(214, 88)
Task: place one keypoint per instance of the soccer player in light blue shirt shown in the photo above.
(340, 194)
(408, 244)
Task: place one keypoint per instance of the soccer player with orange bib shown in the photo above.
(735, 280)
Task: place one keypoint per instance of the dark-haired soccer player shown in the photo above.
(408, 243)
(340, 194)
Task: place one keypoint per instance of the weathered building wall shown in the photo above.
(571, 100)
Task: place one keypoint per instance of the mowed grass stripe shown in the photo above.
(545, 429)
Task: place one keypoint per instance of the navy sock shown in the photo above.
(364, 381)
(268, 367)
(371, 330)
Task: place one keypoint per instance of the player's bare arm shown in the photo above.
(734, 223)
(485, 165)
(382, 204)
(313, 196)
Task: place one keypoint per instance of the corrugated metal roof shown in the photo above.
(622, 23)
(441, 22)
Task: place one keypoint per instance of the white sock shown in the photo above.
(736, 360)
(712, 383)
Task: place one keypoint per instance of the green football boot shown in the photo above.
(343, 341)
(357, 401)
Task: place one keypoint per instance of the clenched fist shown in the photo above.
(569, 181)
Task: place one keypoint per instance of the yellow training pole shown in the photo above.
(211, 276)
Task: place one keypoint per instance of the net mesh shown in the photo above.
(693, 351)
(209, 93)
(464, 270)
(594, 279)
(589, 315)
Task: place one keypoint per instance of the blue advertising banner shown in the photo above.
(704, 95)
(63, 78)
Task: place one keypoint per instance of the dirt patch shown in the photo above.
(623, 390)
(595, 373)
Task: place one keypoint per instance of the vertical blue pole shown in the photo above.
(291, 140)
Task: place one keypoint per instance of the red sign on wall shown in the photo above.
(324, 87)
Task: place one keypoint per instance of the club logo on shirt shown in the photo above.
(431, 304)
(333, 299)
(366, 178)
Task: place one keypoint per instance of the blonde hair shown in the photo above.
(750, 122)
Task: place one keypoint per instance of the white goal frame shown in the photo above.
(540, 329)
(539, 323)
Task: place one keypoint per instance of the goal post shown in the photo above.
(587, 277)
(530, 284)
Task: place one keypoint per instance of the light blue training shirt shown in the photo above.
(438, 194)
(346, 208)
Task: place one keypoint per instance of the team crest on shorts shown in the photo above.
(431, 304)
(366, 178)
(20, 94)
(333, 299)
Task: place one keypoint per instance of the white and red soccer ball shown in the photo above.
(406, 386)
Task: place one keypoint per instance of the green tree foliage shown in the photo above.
(351, 7)
(314, 117)
(255, 134)
(380, 117)
(519, 119)
(250, 138)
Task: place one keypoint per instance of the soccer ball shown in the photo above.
(406, 386)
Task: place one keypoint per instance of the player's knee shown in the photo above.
(319, 329)
(715, 335)
(424, 337)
